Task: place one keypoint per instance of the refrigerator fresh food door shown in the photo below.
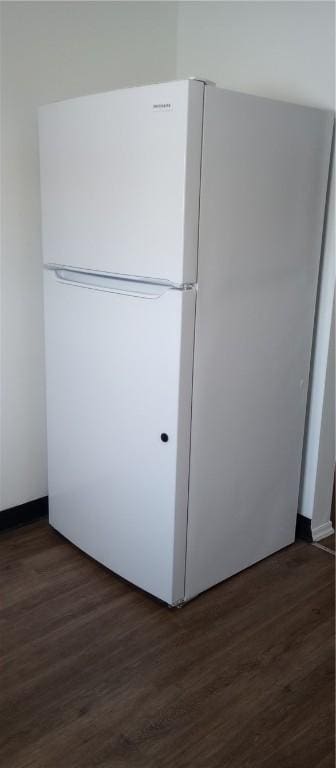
(120, 181)
(119, 373)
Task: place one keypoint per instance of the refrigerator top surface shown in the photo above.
(130, 88)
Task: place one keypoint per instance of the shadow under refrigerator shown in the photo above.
(182, 228)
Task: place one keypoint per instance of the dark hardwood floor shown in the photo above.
(96, 673)
(329, 542)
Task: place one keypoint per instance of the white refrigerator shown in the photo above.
(182, 228)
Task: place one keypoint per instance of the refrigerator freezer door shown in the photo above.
(119, 370)
(120, 179)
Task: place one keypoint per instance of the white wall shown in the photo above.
(51, 51)
(319, 453)
(282, 50)
(325, 464)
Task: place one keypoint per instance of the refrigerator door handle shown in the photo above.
(137, 289)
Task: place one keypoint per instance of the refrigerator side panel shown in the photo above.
(113, 390)
(264, 180)
(120, 176)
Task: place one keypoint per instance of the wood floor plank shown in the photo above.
(96, 673)
(329, 541)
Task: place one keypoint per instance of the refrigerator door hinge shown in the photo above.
(202, 80)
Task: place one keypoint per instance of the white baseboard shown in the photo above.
(322, 531)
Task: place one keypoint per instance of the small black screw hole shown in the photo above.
(164, 437)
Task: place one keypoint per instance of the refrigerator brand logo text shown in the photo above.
(163, 106)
